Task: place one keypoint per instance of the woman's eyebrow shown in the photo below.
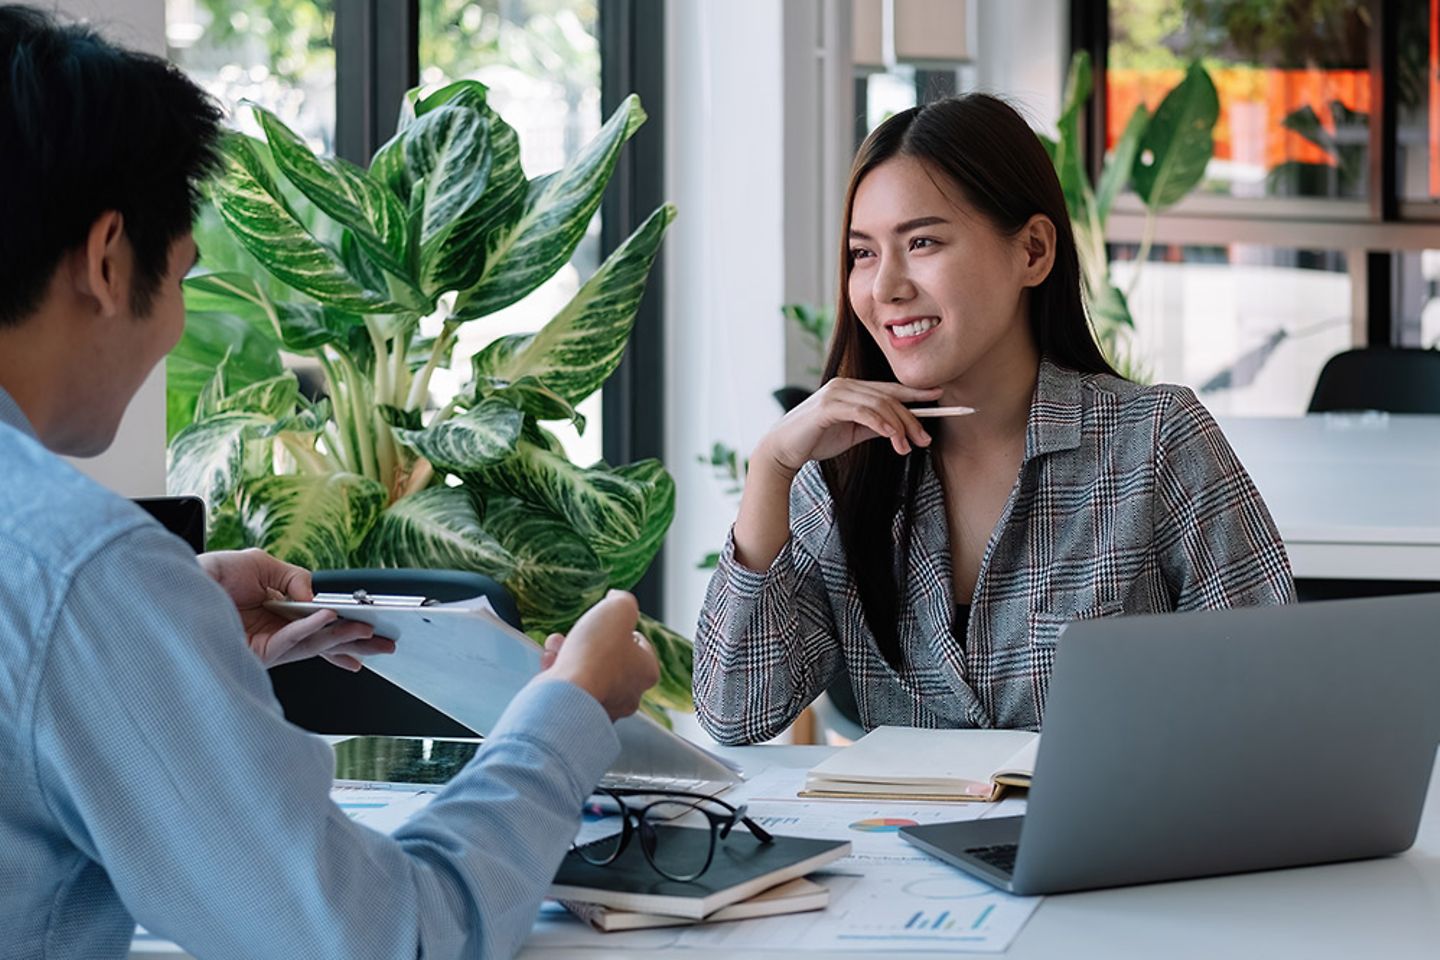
(905, 227)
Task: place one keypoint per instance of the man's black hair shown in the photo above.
(87, 127)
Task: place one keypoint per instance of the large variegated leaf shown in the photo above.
(533, 397)
(436, 529)
(461, 259)
(557, 210)
(345, 192)
(252, 206)
(274, 398)
(447, 152)
(316, 522)
(622, 514)
(557, 577)
(1178, 141)
(207, 458)
(483, 435)
(676, 656)
(582, 345)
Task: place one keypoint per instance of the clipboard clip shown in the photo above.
(363, 598)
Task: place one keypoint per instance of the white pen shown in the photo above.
(942, 411)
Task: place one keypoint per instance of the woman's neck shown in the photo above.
(1001, 389)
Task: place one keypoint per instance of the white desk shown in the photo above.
(1388, 908)
(1356, 497)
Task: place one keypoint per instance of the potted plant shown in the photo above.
(442, 225)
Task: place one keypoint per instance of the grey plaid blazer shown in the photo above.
(1129, 500)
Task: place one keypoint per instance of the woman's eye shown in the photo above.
(920, 243)
(858, 253)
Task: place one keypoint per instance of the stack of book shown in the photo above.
(745, 879)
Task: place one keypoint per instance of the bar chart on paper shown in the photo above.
(937, 908)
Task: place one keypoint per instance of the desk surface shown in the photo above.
(1354, 496)
(1388, 908)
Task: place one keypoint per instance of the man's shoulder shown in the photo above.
(52, 513)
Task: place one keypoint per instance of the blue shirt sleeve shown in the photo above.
(163, 756)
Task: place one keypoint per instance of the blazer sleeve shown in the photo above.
(766, 644)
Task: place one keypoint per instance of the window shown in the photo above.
(277, 53)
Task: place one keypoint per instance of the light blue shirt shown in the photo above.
(147, 773)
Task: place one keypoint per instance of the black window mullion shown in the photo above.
(1090, 30)
(632, 44)
(377, 58)
(1381, 320)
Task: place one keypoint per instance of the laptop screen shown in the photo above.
(182, 516)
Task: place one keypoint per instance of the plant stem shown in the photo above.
(382, 362)
(307, 458)
(361, 421)
(341, 437)
(420, 387)
(420, 476)
(1146, 239)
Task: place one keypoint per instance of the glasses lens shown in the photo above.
(602, 829)
(678, 837)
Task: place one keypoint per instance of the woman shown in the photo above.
(936, 559)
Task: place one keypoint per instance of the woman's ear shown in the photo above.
(1037, 245)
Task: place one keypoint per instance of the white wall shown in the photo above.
(135, 464)
(1022, 53)
(724, 258)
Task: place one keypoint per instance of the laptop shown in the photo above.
(1195, 744)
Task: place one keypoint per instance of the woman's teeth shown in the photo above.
(905, 330)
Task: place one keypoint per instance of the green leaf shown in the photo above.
(1068, 155)
(436, 529)
(300, 326)
(676, 656)
(582, 345)
(1117, 168)
(558, 207)
(622, 514)
(1178, 142)
(222, 329)
(483, 435)
(448, 154)
(207, 458)
(557, 577)
(274, 398)
(531, 396)
(315, 522)
(252, 206)
(345, 192)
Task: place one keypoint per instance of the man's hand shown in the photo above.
(251, 577)
(604, 655)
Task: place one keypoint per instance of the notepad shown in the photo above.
(793, 896)
(913, 763)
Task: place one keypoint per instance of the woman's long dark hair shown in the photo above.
(992, 156)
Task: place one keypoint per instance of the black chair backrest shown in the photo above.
(1392, 379)
(325, 699)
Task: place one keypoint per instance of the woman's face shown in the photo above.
(935, 284)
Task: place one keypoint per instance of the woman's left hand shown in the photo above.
(252, 577)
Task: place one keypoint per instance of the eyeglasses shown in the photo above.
(674, 860)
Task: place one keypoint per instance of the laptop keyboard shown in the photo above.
(1001, 856)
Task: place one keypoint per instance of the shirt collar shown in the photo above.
(1054, 419)
(12, 416)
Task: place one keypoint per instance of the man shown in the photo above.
(148, 773)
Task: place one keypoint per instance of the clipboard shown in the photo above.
(466, 661)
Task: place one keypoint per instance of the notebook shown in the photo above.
(793, 896)
(914, 763)
(742, 868)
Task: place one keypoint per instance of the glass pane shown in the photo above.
(540, 60)
(1292, 79)
(1417, 100)
(1246, 327)
(278, 53)
(1417, 287)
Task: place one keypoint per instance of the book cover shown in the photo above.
(742, 867)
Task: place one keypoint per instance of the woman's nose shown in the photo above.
(892, 281)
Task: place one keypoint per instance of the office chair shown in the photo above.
(1392, 379)
(326, 699)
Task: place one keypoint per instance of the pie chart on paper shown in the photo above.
(881, 825)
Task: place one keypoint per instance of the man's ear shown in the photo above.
(1037, 244)
(102, 271)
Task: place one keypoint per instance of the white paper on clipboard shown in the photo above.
(464, 660)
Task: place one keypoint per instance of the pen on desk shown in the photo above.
(942, 411)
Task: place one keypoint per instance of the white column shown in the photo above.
(135, 464)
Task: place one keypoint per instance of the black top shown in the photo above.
(960, 626)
